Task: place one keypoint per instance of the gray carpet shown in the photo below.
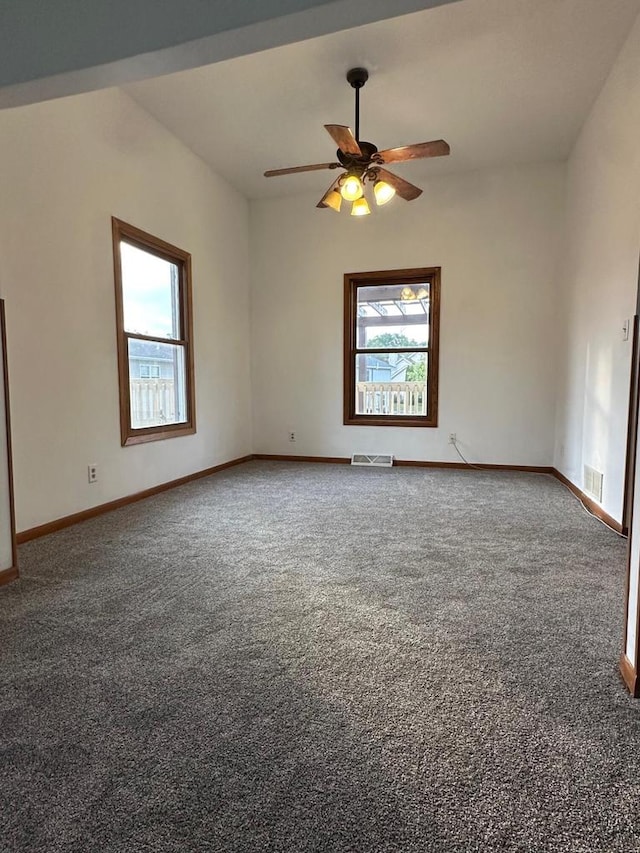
(301, 658)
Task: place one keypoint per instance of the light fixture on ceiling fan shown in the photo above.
(408, 294)
(362, 163)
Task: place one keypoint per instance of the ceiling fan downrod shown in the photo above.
(357, 77)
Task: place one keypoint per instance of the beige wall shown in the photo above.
(598, 281)
(496, 235)
(67, 166)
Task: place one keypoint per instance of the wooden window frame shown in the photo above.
(352, 282)
(123, 231)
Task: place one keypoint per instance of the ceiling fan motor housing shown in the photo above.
(352, 161)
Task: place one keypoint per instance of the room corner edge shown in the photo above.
(630, 676)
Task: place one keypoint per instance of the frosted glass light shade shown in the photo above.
(383, 192)
(334, 200)
(360, 207)
(352, 188)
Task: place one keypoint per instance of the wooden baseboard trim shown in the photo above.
(630, 676)
(8, 575)
(280, 457)
(408, 463)
(92, 512)
(460, 466)
(590, 504)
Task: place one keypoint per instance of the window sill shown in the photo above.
(142, 437)
(390, 421)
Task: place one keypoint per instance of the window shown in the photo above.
(391, 347)
(149, 371)
(154, 323)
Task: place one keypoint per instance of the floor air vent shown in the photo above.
(593, 482)
(380, 460)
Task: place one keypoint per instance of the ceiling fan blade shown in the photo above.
(344, 139)
(437, 148)
(294, 169)
(403, 188)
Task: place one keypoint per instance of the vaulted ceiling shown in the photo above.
(503, 81)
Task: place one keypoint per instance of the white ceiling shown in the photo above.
(503, 81)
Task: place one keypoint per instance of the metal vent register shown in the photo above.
(593, 482)
(380, 460)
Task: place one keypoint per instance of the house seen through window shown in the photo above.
(391, 347)
(153, 297)
(152, 370)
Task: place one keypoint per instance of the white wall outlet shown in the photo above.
(452, 438)
(625, 330)
(292, 436)
(92, 473)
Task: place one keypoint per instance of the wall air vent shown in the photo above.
(379, 460)
(593, 483)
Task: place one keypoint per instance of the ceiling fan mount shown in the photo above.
(357, 77)
(362, 162)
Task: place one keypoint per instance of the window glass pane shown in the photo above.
(150, 293)
(391, 383)
(157, 384)
(393, 316)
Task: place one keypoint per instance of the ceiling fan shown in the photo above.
(362, 163)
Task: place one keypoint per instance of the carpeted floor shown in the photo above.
(302, 658)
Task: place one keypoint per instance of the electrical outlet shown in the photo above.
(452, 438)
(92, 473)
(292, 436)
